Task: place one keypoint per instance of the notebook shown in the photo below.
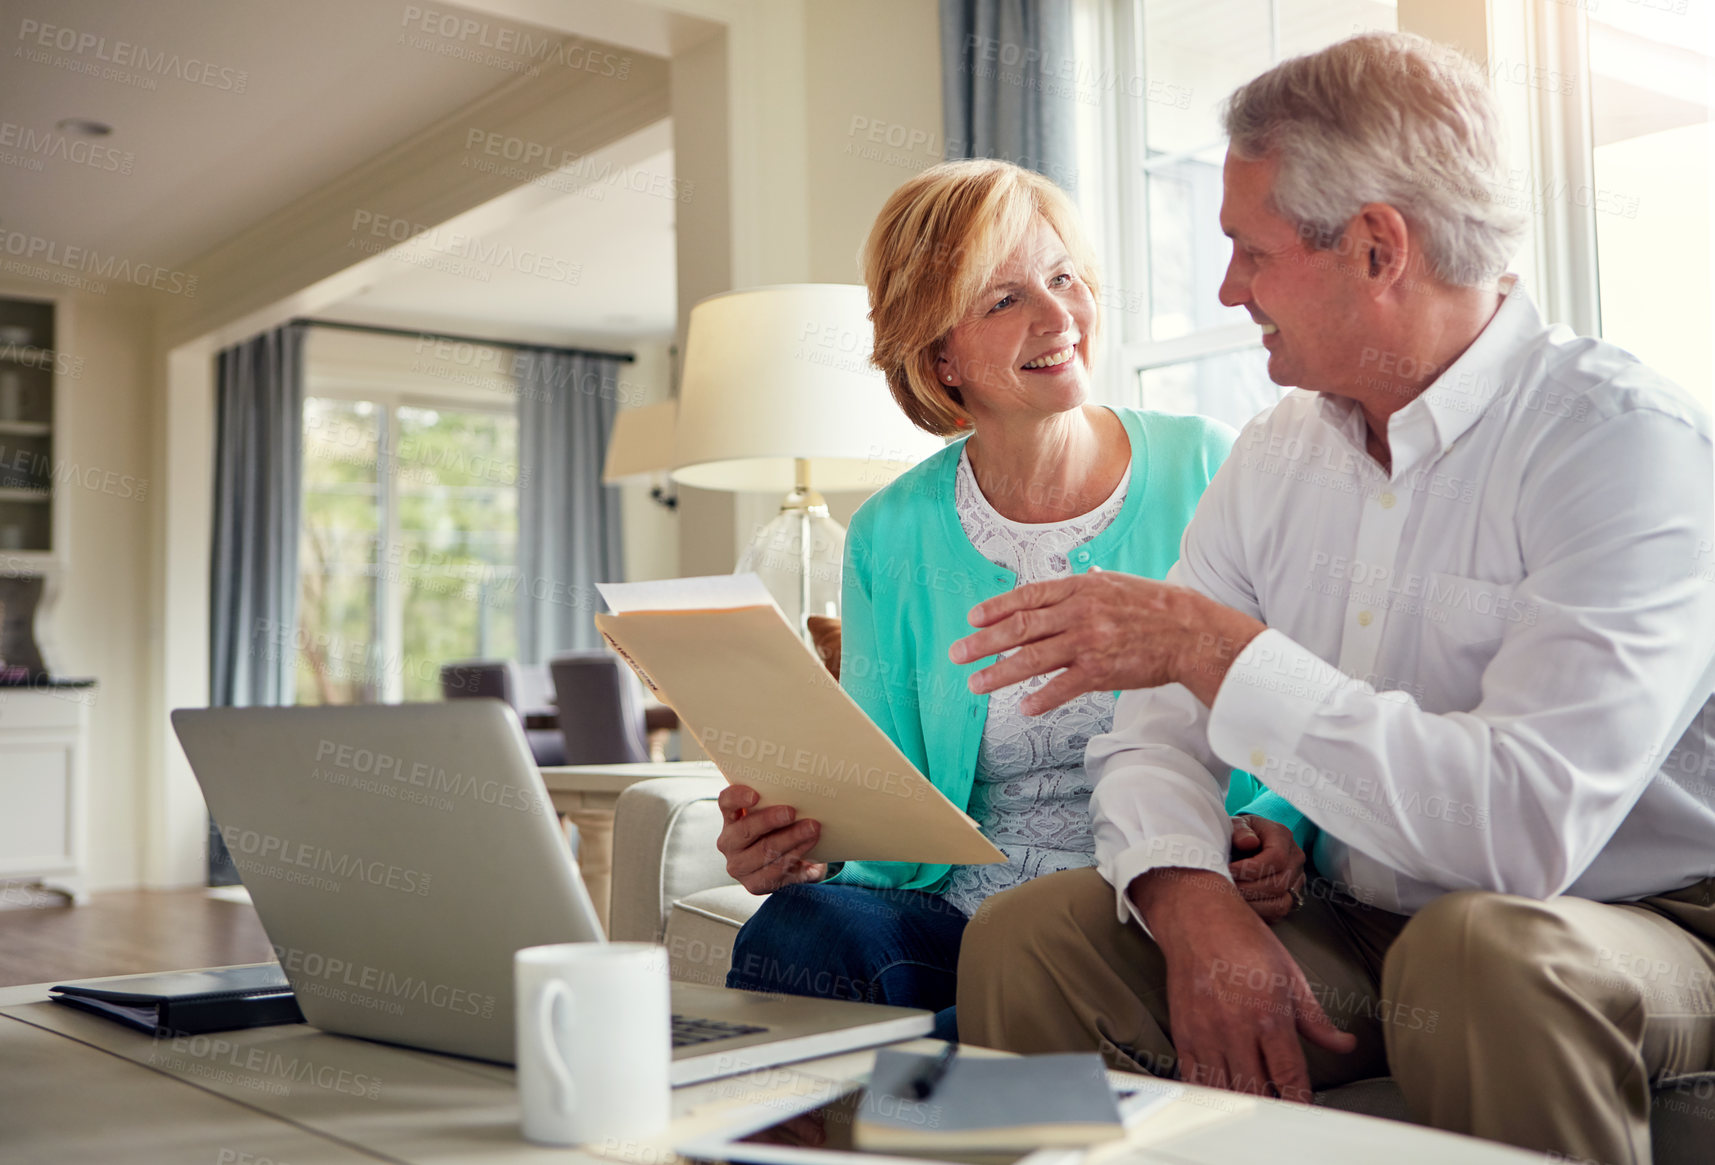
(988, 1104)
(188, 1002)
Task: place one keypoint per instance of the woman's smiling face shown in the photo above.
(1024, 345)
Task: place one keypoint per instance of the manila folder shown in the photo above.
(770, 716)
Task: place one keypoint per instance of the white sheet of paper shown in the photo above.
(715, 592)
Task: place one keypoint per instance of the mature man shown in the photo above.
(1454, 601)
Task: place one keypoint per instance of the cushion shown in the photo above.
(701, 929)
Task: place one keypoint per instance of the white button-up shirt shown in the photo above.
(1489, 668)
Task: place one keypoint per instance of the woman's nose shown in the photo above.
(1053, 316)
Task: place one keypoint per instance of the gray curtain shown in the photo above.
(258, 468)
(253, 576)
(568, 521)
(1009, 84)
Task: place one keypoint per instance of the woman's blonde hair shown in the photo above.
(934, 248)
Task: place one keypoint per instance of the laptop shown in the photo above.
(399, 854)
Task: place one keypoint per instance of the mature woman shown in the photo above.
(983, 294)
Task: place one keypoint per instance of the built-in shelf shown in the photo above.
(25, 429)
(13, 494)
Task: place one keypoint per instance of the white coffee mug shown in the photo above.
(594, 1041)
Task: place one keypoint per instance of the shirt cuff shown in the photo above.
(1266, 701)
(1174, 850)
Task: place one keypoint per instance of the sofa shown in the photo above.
(670, 886)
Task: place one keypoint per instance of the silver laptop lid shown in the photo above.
(397, 855)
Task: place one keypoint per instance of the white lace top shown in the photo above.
(1031, 795)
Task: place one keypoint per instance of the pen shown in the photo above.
(925, 1082)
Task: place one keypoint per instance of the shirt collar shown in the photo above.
(1456, 399)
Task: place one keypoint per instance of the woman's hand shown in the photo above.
(1270, 870)
(765, 849)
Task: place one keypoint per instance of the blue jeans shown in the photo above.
(898, 947)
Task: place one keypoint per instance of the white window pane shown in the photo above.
(337, 637)
(1197, 52)
(1232, 387)
(1308, 25)
(1188, 254)
(457, 475)
(1650, 72)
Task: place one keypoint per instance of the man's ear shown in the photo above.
(1381, 245)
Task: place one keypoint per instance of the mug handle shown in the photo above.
(553, 991)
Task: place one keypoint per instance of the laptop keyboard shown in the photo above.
(688, 1030)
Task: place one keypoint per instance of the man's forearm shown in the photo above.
(1164, 896)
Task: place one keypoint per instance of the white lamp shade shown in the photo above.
(780, 373)
(641, 442)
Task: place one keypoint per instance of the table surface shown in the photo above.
(78, 1088)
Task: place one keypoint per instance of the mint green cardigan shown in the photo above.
(912, 576)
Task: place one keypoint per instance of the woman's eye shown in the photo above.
(1003, 301)
(1064, 279)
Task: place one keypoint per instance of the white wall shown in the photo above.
(98, 622)
(855, 77)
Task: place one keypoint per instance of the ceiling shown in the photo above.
(610, 217)
(295, 94)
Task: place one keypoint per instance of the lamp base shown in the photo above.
(798, 555)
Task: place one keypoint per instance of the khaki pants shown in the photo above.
(1539, 1024)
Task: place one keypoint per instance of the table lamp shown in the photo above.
(778, 394)
(641, 446)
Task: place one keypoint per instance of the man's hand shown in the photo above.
(765, 849)
(1269, 867)
(1110, 632)
(1237, 1002)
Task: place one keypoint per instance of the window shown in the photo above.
(408, 551)
(1651, 67)
(1160, 210)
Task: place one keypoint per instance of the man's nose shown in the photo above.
(1235, 288)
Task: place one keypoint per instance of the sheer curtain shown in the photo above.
(568, 521)
(1008, 83)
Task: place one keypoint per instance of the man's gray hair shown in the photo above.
(1392, 118)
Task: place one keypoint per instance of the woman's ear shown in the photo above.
(944, 371)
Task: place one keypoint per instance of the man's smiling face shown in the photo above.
(1310, 303)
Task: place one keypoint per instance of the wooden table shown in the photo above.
(75, 1088)
(586, 795)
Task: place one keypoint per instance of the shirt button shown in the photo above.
(1083, 556)
(1365, 618)
(1387, 501)
(1259, 758)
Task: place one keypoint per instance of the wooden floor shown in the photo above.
(44, 941)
